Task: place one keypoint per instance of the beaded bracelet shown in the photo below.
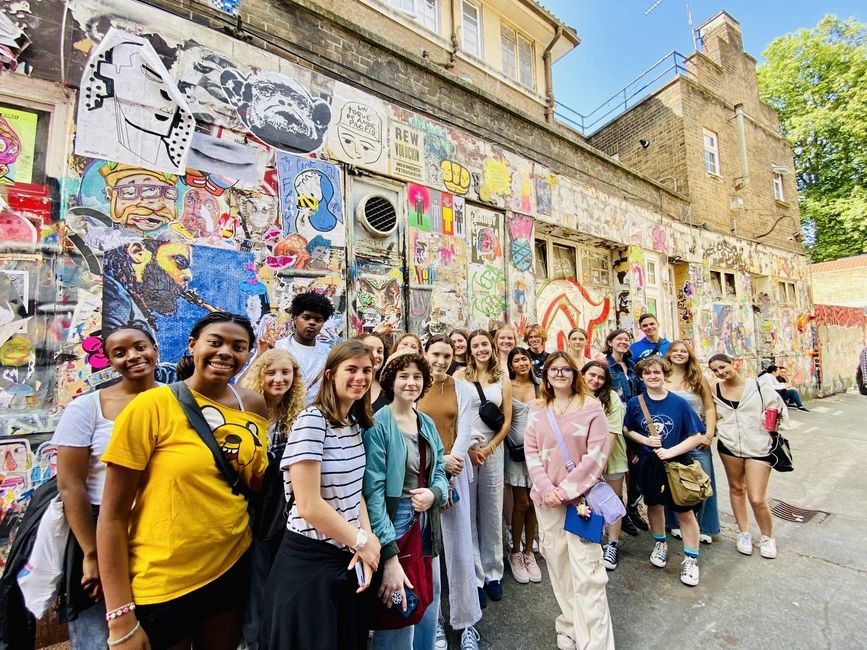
(120, 611)
(125, 637)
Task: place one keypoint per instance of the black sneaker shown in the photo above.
(804, 409)
(494, 589)
(483, 598)
(635, 517)
(628, 527)
(610, 556)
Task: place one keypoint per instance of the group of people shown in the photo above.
(393, 457)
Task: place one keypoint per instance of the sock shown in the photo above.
(690, 552)
(659, 537)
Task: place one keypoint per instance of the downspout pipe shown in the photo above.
(742, 144)
(549, 76)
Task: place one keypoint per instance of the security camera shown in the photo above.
(644, 143)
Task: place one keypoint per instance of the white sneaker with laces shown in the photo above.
(768, 547)
(659, 556)
(675, 532)
(745, 543)
(705, 539)
(470, 639)
(689, 571)
(441, 642)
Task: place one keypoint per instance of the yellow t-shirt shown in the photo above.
(186, 526)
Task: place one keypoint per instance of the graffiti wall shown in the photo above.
(487, 275)
(842, 334)
(521, 297)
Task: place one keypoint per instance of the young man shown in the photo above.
(309, 312)
(535, 338)
(790, 396)
(676, 432)
(652, 343)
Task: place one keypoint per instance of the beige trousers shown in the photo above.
(578, 578)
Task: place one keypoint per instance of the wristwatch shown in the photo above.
(360, 540)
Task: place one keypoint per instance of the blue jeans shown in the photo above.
(707, 513)
(89, 631)
(422, 635)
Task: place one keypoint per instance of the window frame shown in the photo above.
(712, 150)
(724, 279)
(417, 12)
(779, 191)
(517, 40)
(478, 30)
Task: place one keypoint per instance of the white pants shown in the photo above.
(464, 610)
(578, 579)
(486, 508)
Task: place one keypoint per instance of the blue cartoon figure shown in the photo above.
(313, 216)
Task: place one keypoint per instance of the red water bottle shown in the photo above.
(772, 419)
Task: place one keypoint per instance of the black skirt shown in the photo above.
(310, 599)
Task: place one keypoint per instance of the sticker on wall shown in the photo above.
(16, 228)
(311, 201)
(17, 145)
(129, 108)
(407, 152)
(378, 295)
(487, 287)
(435, 211)
(358, 134)
(224, 158)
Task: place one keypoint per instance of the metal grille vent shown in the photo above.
(797, 515)
(378, 215)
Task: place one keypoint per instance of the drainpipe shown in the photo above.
(453, 55)
(742, 144)
(549, 77)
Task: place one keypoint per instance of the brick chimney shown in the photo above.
(721, 35)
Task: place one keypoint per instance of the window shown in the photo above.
(424, 12)
(722, 285)
(786, 292)
(517, 55)
(595, 269)
(652, 280)
(541, 259)
(563, 262)
(711, 153)
(778, 187)
(472, 29)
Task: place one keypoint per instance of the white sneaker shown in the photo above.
(659, 556)
(689, 571)
(745, 543)
(705, 539)
(675, 532)
(768, 547)
(441, 642)
(470, 639)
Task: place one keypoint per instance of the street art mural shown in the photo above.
(378, 295)
(17, 145)
(842, 334)
(359, 133)
(522, 298)
(487, 288)
(311, 200)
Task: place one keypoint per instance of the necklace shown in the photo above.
(566, 408)
(442, 385)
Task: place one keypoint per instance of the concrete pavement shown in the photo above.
(814, 595)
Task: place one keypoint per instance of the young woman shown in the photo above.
(577, 342)
(688, 382)
(312, 597)
(276, 375)
(172, 535)
(395, 445)
(598, 381)
(535, 337)
(743, 444)
(505, 341)
(447, 403)
(377, 345)
(460, 340)
(483, 373)
(407, 341)
(81, 437)
(574, 565)
(525, 389)
(677, 430)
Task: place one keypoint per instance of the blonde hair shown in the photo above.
(472, 372)
(692, 368)
(579, 387)
(326, 399)
(291, 404)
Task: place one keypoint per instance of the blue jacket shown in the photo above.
(627, 385)
(385, 451)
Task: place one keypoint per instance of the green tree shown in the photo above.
(817, 81)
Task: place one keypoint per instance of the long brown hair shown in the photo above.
(604, 394)
(472, 372)
(326, 399)
(578, 386)
(293, 401)
(692, 369)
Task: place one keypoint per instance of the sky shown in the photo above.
(619, 42)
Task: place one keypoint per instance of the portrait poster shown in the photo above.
(359, 130)
(311, 200)
(17, 145)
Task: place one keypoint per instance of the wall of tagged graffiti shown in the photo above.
(205, 173)
(842, 334)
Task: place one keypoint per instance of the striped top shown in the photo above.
(341, 454)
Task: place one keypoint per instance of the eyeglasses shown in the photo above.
(560, 372)
(146, 191)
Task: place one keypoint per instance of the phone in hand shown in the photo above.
(454, 495)
(411, 604)
(359, 573)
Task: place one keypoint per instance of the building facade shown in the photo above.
(187, 159)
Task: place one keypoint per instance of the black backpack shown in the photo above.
(17, 624)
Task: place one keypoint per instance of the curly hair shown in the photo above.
(472, 371)
(292, 402)
(313, 302)
(402, 361)
(692, 368)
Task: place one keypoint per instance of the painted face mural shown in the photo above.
(359, 130)
(139, 198)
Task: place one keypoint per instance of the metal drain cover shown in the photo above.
(789, 512)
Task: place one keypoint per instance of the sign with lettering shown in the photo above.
(407, 152)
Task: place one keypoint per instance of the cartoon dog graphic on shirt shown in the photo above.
(239, 442)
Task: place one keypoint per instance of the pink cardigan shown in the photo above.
(587, 440)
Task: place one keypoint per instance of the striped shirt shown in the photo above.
(340, 452)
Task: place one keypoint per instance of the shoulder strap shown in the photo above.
(200, 425)
(651, 425)
(655, 349)
(478, 386)
(237, 396)
(570, 464)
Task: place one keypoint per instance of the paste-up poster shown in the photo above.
(487, 271)
(435, 211)
(129, 108)
(17, 145)
(311, 201)
(359, 131)
(406, 152)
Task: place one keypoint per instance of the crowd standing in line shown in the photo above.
(372, 448)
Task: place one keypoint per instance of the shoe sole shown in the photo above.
(769, 557)
(745, 552)
(657, 564)
(689, 584)
(536, 580)
(519, 580)
(609, 567)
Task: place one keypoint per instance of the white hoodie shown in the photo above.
(742, 430)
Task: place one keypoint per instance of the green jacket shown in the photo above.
(385, 451)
